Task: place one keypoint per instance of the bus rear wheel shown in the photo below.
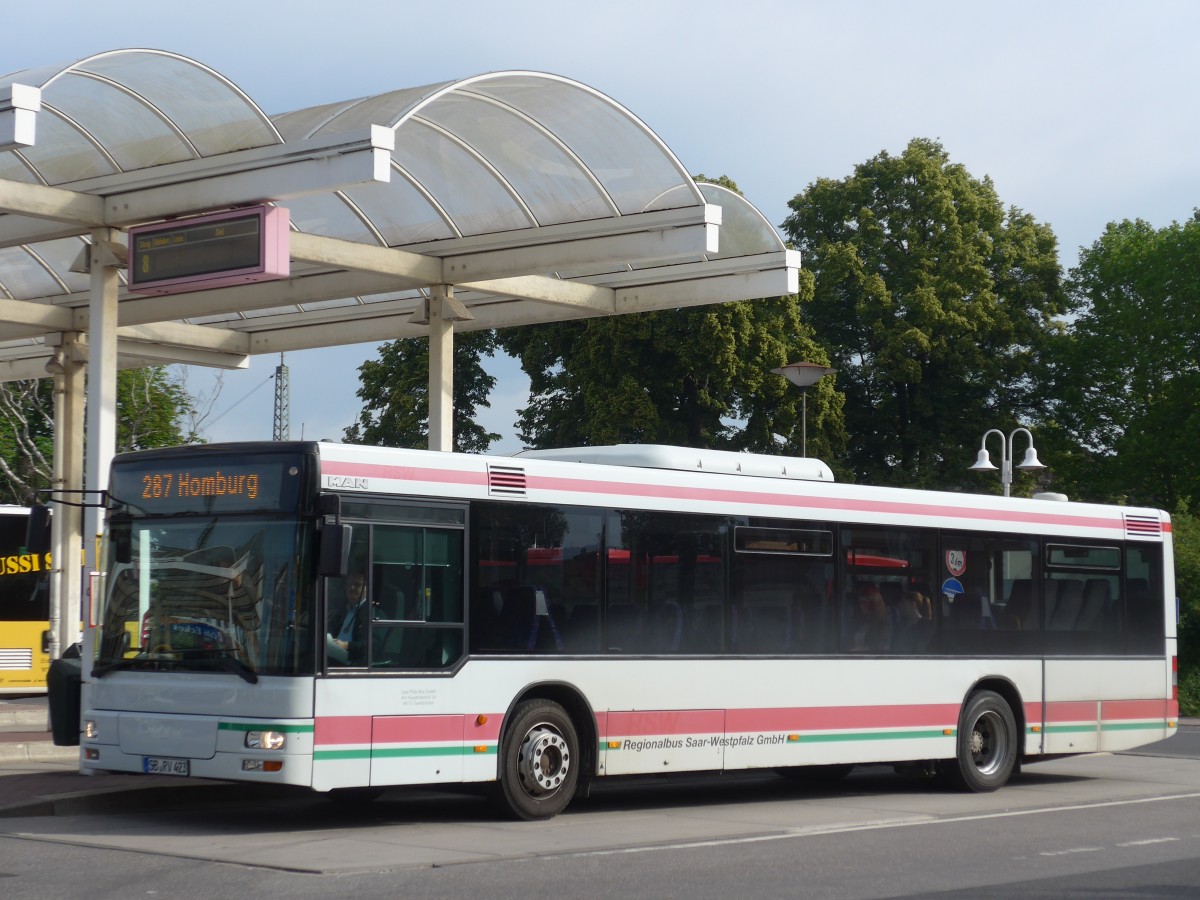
(539, 761)
(987, 744)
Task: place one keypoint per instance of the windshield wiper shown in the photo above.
(137, 662)
(225, 663)
(236, 666)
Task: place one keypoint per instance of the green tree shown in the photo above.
(152, 405)
(935, 304)
(1186, 535)
(395, 392)
(1127, 374)
(697, 377)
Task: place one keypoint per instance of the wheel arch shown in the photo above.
(1011, 694)
(571, 699)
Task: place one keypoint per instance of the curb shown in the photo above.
(153, 795)
(26, 719)
(38, 751)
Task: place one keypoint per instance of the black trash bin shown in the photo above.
(64, 685)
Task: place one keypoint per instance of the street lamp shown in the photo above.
(803, 375)
(983, 462)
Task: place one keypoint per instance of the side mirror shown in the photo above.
(334, 554)
(37, 532)
(121, 536)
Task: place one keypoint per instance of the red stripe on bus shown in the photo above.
(1113, 710)
(342, 730)
(404, 729)
(724, 495)
(403, 473)
(416, 729)
(838, 717)
(1073, 711)
(681, 721)
(890, 507)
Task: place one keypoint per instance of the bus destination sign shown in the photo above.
(215, 484)
(219, 250)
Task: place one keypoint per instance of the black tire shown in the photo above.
(539, 761)
(987, 745)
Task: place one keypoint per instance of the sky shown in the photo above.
(1081, 113)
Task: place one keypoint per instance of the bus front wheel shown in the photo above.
(539, 763)
(987, 744)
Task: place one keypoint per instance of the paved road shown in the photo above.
(1115, 826)
(1126, 825)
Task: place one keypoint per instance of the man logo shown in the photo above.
(346, 482)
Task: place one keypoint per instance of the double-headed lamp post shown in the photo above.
(803, 375)
(983, 462)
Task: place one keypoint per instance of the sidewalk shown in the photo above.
(39, 779)
(36, 777)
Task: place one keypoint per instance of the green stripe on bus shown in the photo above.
(400, 752)
(1069, 729)
(830, 738)
(869, 736)
(264, 726)
(342, 754)
(1131, 726)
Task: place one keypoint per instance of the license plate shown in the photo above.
(160, 765)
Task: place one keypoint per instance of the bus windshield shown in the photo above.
(209, 565)
(209, 593)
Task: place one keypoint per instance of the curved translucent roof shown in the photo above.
(131, 109)
(493, 153)
(535, 174)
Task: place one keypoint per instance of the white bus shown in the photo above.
(345, 617)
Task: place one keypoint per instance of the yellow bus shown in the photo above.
(24, 608)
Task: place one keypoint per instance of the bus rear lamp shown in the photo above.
(265, 740)
(91, 753)
(91, 730)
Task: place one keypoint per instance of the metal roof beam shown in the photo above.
(261, 174)
(141, 354)
(415, 268)
(357, 331)
(55, 204)
(194, 337)
(666, 235)
(554, 291)
(266, 295)
(770, 275)
(39, 317)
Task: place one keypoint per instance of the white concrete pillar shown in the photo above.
(66, 577)
(441, 368)
(101, 385)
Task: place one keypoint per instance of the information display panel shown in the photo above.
(236, 247)
(209, 483)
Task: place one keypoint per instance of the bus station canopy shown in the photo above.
(523, 197)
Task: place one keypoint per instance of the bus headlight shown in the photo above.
(265, 740)
(91, 730)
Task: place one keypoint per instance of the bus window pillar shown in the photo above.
(66, 525)
(440, 313)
